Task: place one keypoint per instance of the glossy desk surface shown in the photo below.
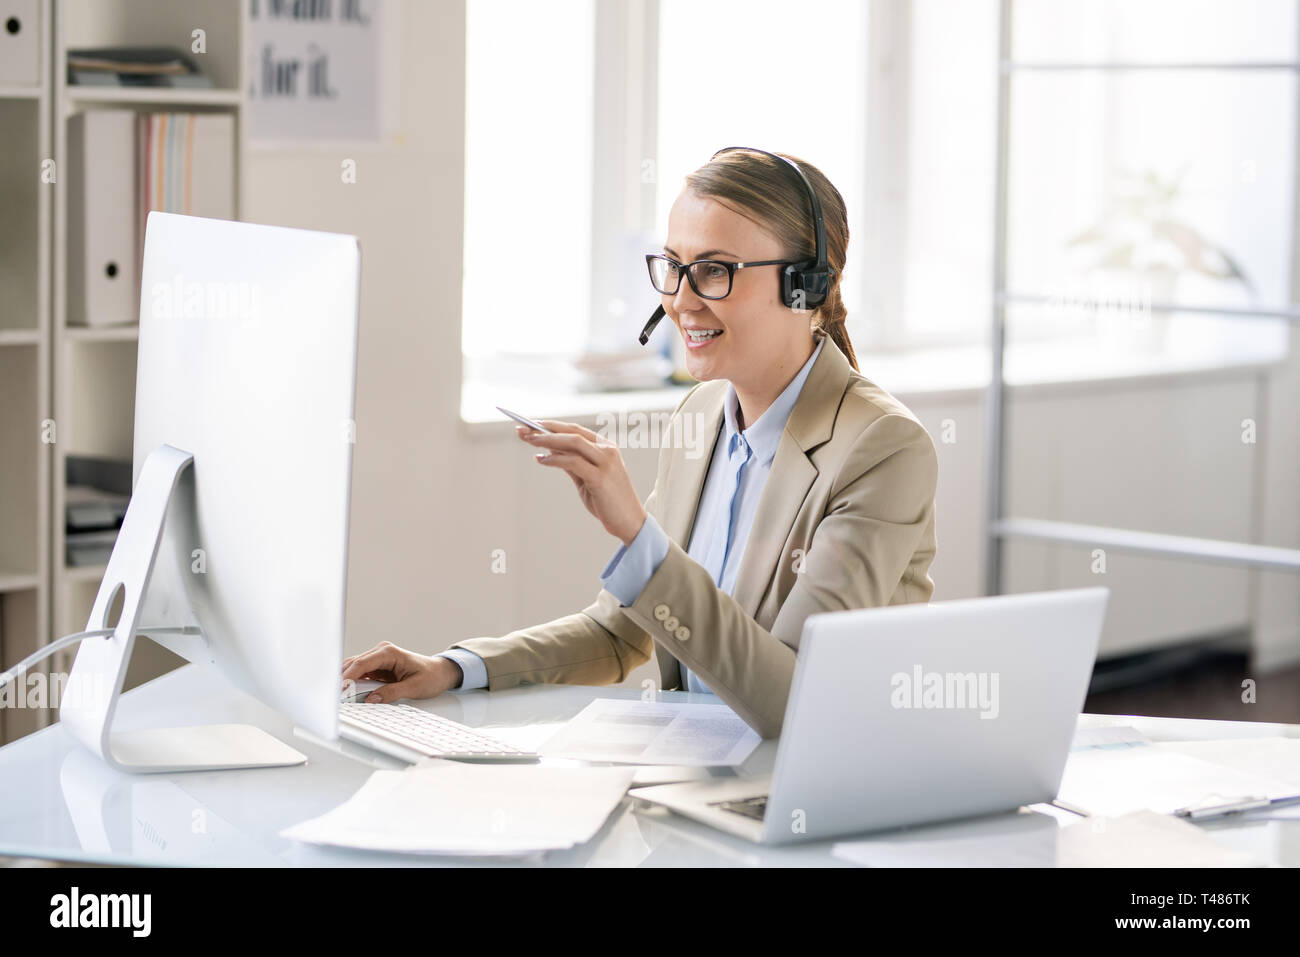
(61, 802)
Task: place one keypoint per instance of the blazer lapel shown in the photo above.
(792, 474)
(686, 478)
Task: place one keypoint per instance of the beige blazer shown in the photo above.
(846, 520)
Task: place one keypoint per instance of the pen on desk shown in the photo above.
(1234, 807)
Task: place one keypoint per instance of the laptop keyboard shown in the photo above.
(754, 807)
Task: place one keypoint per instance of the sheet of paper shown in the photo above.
(1145, 839)
(653, 732)
(458, 808)
(1112, 736)
(1114, 782)
(1273, 757)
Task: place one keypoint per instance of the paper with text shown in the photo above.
(1152, 778)
(652, 732)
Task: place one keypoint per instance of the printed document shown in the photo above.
(653, 732)
(458, 808)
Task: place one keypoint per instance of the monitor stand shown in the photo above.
(90, 697)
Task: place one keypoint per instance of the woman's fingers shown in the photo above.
(573, 428)
(582, 471)
(571, 443)
(407, 688)
(405, 673)
(383, 657)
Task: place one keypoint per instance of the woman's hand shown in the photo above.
(411, 675)
(597, 470)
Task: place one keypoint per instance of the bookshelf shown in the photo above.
(25, 223)
(91, 384)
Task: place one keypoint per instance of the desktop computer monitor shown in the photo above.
(236, 536)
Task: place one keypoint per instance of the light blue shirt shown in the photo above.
(738, 472)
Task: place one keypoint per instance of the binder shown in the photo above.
(20, 28)
(186, 165)
(103, 280)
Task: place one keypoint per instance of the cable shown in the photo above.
(13, 673)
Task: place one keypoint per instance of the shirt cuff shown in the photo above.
(632, 566)
(474, 668)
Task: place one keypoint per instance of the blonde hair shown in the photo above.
(764, 189)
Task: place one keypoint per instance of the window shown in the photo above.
(528, 166)
(1154, 185)
(1176, 183)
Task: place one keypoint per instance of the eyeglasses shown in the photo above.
(710, 278)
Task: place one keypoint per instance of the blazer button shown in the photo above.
(683, 633)
(670, 625)
(662, 611)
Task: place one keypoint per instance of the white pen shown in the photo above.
(524, 420)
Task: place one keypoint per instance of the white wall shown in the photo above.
(431, 501)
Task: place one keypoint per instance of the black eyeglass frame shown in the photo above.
(687, 270)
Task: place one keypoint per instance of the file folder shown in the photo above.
(20, 36)
(103, 267)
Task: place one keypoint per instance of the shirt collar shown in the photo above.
(764, 435)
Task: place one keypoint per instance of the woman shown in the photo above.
(819, 494)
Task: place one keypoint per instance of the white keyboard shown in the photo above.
(431, 735)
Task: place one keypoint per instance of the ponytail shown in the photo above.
(829, 319)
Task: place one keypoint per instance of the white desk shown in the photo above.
(60, 802)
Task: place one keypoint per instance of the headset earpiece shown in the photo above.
(805, 286)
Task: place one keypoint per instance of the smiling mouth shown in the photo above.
(702, 335)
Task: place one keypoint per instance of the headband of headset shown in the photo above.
(819, 224)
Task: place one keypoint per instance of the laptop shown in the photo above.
(911, 714)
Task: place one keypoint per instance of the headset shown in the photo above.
(804, 285)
